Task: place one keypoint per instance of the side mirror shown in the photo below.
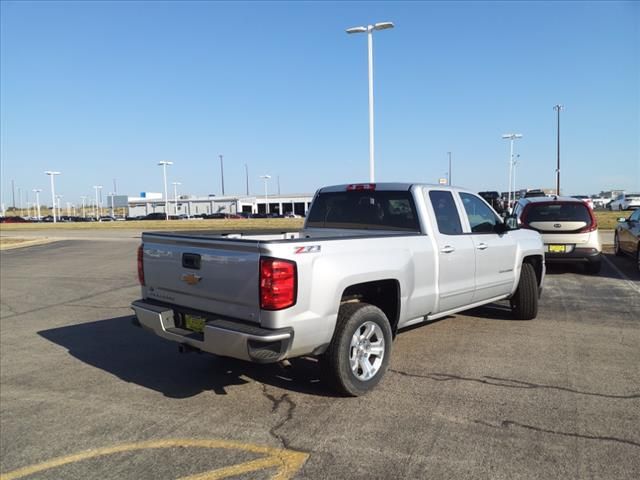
(512, 222)
(621, 219)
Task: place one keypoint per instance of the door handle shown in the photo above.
(447, 249)
(482, 246)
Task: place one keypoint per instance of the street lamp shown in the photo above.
(53, 192)
(164, 164)
(58, 197)
(449, 153)
(369, 29)
(558, 108)
(37, 192)
(266, 201)
(511, 137)
(175, 195)
(112, 195)
(84, 199)
(515, 162)
(222, 173)
(98, 211)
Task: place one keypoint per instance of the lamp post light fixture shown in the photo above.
(175, 196)
(511, 137)
(53, 192)
(98, 210)
(37, 192)
(266, 195)
(369, 29)
(558, 108)
(164, 164)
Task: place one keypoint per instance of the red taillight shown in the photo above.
(140, 265)
(593, 226)
(277, 283)
(358, 187)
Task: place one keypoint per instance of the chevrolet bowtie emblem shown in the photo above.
(191, 278)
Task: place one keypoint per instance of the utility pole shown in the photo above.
(449, 153)
(558, 108)
(222, 173)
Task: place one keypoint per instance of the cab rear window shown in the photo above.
(375, 210)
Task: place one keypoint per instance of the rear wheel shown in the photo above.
(524, 303)
(358, 355)
(638, 256)
(616, 244)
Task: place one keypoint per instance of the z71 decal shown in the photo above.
(309, 249)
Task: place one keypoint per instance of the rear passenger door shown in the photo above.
(456, 253)
(495, 253)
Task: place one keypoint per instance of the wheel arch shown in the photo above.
(384, 294)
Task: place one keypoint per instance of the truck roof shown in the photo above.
(386, 186)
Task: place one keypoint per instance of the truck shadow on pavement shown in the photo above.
(116, 346)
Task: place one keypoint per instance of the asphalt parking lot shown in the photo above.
(84, 394)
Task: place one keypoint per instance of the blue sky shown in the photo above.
(104, 90)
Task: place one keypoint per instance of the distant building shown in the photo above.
(189, 205)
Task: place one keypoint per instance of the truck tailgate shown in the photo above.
(219, 276)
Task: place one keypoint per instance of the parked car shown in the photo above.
(626, 239)
(155, 216)
(15, 219)
(372, 258)
(585, 199)
(625, 201)
(568, 227)
(534, 193)
(494, 199)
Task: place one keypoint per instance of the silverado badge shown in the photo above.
(191, 278)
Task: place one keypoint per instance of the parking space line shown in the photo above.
(621, 274)
(287, 461)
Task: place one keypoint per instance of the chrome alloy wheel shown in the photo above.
(366, 351)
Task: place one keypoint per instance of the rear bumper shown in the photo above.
(573, 257)
(221, 336)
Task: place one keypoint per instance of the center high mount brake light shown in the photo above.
(360, 187)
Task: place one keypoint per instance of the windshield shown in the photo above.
(383, 210)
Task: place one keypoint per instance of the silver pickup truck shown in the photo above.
(371, 259)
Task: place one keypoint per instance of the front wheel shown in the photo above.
(524, 303)
(358, 355)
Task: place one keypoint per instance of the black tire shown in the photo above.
(524, 303)
(638, 256)
(593, 268)
(616, 245)
(336, 360)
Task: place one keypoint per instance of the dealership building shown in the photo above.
(189, 205)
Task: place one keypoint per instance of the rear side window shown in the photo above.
(375, 210)
(558, 212)
(446, 212)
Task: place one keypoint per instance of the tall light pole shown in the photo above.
(37, 192)
(164, 164)
(449, 153)
(558, 108)
(369, 29)
(53, 192)
(511, 137)
(58, 198)
(112, 195)
(266, 195)
(175, 196)
(515, 162)
(84, 199)
(222, 173)
(246, 171)
(98, 209)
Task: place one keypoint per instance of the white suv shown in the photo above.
(625, 201)
(568, 227)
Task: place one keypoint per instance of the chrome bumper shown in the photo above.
(223, 337)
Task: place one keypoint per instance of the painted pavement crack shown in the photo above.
(276, 402)
(509, 423)
(509, 383)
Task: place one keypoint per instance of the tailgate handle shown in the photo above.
(191, 260)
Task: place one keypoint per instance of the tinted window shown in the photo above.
(384, 210)
(558, 212)
(446, 212)
(635, 217)
(481, 217)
